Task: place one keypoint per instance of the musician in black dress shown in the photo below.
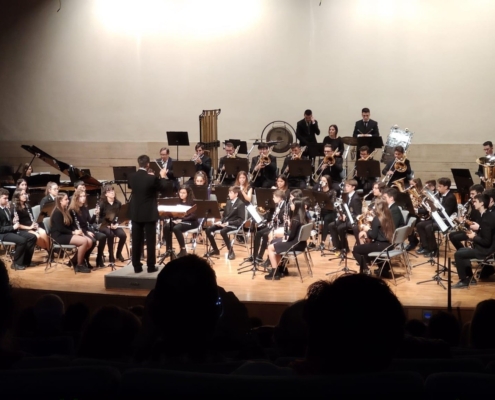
(108, 210)
(246, 190)
(233, 217)
(201, 160)
(327, 216)
(390, 170)
(282, 183)
(265, 172)
(336, 142)
(298, 218)
(366, 126)
(229, 153)
(9, 225)
(21, 184)
(64, 230)
(334, 170)
(27, 225)
(184, 224)
(307, 129)
(379, 235)
(296, 181)
(51, 193)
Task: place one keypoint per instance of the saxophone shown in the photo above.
(366, 216)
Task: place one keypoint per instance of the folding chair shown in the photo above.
(479, 264)
(9, 248)
(195, 232)
(304, 235)
(68, 250)
(396, 249)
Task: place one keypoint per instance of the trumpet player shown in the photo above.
(328, 166)
(392, 172)
(296, 154)
(201, 159)
(229, 153)
(263, 168)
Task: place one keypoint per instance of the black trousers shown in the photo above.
(338, 232)
(25, 243)
(463, 262)
(328, 218)
(111, 234)
(99, 238)
(361, 251)
(457, 238)
(140, 230)
(178, 230)
(261, 242)
(223, 232)
(426, 231)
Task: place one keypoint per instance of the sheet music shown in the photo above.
(177, 208)
(252, 211)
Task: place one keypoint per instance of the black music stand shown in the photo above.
(177, 139)
(264, 198)
(257, 219)
(325, 203)
(207, 209)
(373, 142)
(237, 142)
(234, 165)
(463, 181)
(91, 201)
(368, 169)
(314, 150)
(46, 211)
(299, 168)
(182, 169)
(200, 192)
(122, 176)
(222, 193)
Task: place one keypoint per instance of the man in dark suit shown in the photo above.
(426, 229)
(229, 153)
(144, 213)
(24, 245)
(201, 160)
(167, 163)
(390, 195)
(483, 243)
(307, 129)
(391, 170)
(233, 217)
(338, 229)
(366, 126)
(267, 172)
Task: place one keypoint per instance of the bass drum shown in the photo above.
(396, 137)
(279, 131)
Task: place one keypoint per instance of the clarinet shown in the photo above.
(28, 208)
(78, 225)
(286, 221)
(97, 212)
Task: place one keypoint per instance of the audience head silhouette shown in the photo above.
(483, 325)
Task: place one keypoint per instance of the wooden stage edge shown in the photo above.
(265, 299)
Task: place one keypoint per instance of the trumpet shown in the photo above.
(330, 160)
(196, 157)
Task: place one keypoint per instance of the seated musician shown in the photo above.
(201, 160)
(483, 243)
(27, 224)
(65, 231)
(262, 237)
(333, 170)
(181, 225)
(390, 196)
(366, 184)
(390, 171)
(263, 173)
(293, 225)
(488, 149)
(200, 179)
(378, 235)
(335, 142)
(21, 184)
(27, 170)
(282, 183)
(80, 212)
(415, 191)
(472, 215)
(246, 190)
(338, 229)
(327, 216)
(296, 154)
(426, 229)
(108, 210)
(166, 162)
(233, 217)
(229, 153)
(51, 193)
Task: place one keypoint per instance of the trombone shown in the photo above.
(263, 160)
(399, 165)
(294, 157)
(222, 172)
(330, 160)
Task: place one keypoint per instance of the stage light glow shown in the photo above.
(196, 18)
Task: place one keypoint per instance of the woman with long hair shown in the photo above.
(21, 184)
(27, 170)
(200, 179)
(186, 198)
(27, 223)
(336, 142)
(51, 193)
(379, 234)
(242, 181)
(282, 183)
(298, 218)
(327, 216)
(79, 210)
(108, 210)
(65, 231)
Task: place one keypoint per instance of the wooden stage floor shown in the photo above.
(426, 296)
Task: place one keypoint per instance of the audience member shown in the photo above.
(416, 328)
(483, 325)
(291, 334)
(49, 312)
(446, 327)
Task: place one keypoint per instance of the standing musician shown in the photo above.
(144, 213)
(167, 163)
(338, 229)
(366, 184)
(80, 211)
(366, 126)
(335, 142)
(483, 243)
(307, 129)
(246, 190)
(333, 169)
(261, 238)
(488, 149)
(327, 216)
(9, 224)
(265, 172)
(186, 198)
(296, 154)
(426, 229)
(108, 207)
(229, 153)
(233, 217)
(282, 184)
(64, 230)
(390, 171)
(379, 234)
(201, 160)
(27, 224)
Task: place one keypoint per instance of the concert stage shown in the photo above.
(264, 298)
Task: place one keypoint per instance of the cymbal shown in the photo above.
(349, 140)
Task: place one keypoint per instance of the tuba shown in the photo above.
(400, 185)
(488, 165)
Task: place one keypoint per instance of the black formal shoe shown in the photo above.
(120, 258)
(240, 239)
(212, 253)
(431, 254)
(473, 281)
(82, 269)
(182, 253)
(33, 264)
(138, 270)
(460, 285)
(422, 250)
(231, 255)
(411, 247)
(273, 274)
(286, 272)
(18, 267)
(152, 269)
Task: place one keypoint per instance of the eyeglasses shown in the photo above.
(164, 154)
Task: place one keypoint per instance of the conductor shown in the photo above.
(144, 213)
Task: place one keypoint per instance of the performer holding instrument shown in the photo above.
(246, 190)
(222, 178)
(201, 159)
(296, 154)
(399, 168)
(263, 168)
(335, 142)
(486, 166)
(328, 166)
(327, 216)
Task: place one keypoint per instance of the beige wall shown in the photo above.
(92, 73)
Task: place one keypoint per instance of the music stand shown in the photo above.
(368, 169)
(237, 142)
(373, 142)
(315, 150)
(113, 218)
(91, 200)
(463, 181)
(207, 209)
(46, 211)
(178, 139)
(299, 168)
(200, 192)
(254, 216)
(122, 176)
(310, 194)
(264, 198)
(234, 165)
(182, 169)
(222, 193)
